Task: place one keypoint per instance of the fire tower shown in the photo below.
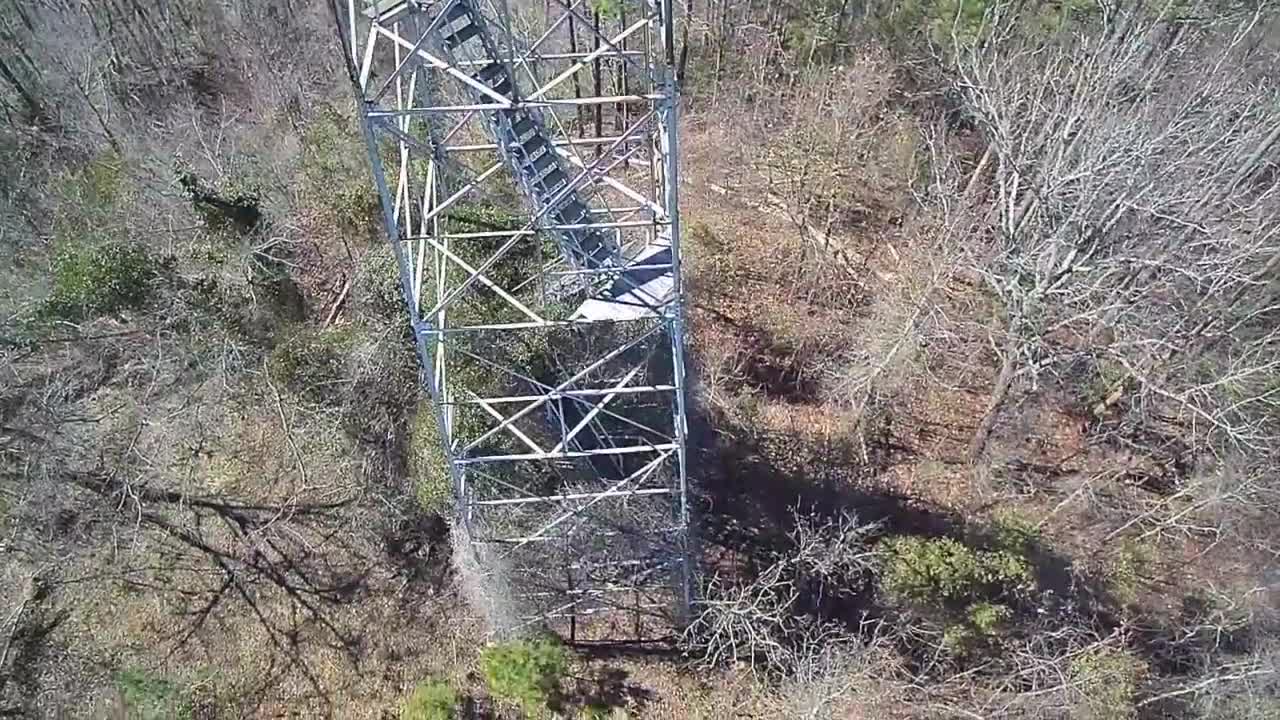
(525, 155)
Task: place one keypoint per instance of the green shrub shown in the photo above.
(1106, 681)
(954, 25)
(600, 711)
(100, 184)
(377, 293)
(1015, 532)
(433, 484)
(610, 9)
(982, 624)
(986, 618)
(474, 217)
(335, 173)
(515, 265)
(1048, 19)
(148, 697)
(1125, 570)
(313, 364)
(431, 700)
(93, 199)
(98, 280)
(525, 672)
(1103, 379)
(957, 639)
(702, 236)
(961, 20)
(231, 204)
(936, 571)
(479, 304)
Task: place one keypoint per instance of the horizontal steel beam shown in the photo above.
(604, 225)
(563, 142)
(426, 330)
(588, 392)
(568, 454)
(553, 499)
(549, 538)
(535, 57)
(493, 107)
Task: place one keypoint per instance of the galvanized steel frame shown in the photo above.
(421, 109)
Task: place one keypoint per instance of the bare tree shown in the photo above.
(762, 622)
(1135, 212)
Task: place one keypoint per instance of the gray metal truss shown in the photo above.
(550, 334)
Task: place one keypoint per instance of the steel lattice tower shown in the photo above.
(525, 156)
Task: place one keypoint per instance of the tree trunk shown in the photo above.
(35, 111)
(1004, 381)
(577, 84)
(598, 89)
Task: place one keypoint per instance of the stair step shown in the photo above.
(489, 72)
(457, 18)
(589, 244)
(542, 162)
(460, 36)
(573, 213)
(522, 127)
(387, 11)
(554, 182)
(457, 11)
(538, 151)
(529, 146)
(540, 174)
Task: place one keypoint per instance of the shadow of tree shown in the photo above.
(754, 483)
(746, 495)
(605, 689)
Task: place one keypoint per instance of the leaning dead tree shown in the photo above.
(1134, 199)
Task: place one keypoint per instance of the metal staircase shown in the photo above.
(462, 32)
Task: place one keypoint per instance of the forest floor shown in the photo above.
(842, 363)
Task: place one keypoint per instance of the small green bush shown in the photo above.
(982, 624)
(431, 700)
(936, 571)
(1106, 681)
(100, 184)
(432, 482)
(958, 20)
(525, 672)
(334, 170)
(515, 266)
(600, 711)
(377, 293)
(985, 618)
(957, 639)
(100, 280)
(148, 697)
(313, 364)
(1124, 571)
(1015, 532)
(233, 204)
(610, 9)
(701, 235)
(93, 199)
(955, 25)
(1049, 19)
(1100, 382)
(473, 217)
